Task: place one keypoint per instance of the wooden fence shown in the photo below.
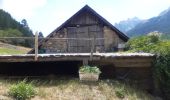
(36, 43)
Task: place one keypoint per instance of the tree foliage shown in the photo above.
(161, 48)
(9, 27)
(143, 43)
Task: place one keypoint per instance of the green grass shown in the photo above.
(11, 51)
(8, 49)
(73, 89)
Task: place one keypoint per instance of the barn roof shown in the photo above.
(94, 13)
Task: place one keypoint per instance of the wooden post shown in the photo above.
(36, 46)
(92, 48)
(67, 40)
(85, 62)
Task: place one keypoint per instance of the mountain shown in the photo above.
(161, 24)
(128, 24)
(9, 27)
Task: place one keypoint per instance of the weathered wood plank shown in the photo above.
(36, 46)
(101, 59)
(126, 60)
(148, 64)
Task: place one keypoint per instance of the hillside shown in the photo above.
(9, 27)
(128, 24)
(160, 24)
(12, 49)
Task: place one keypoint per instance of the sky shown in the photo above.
(47, 15)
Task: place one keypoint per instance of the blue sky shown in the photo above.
(46, 15)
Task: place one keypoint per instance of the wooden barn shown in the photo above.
(79, 33)
(85, 38)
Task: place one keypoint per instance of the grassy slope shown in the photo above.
(11, 49)
(73, 89)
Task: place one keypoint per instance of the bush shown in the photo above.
(22, 91)
(120, 92)
(161, 48)
(162, 67)
(143, 43)
(89, 69)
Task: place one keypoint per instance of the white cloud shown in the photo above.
(22, 8)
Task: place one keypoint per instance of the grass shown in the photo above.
(73, 89)
(11, 49)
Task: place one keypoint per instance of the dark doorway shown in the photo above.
(40, 68)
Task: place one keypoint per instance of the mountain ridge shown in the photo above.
(128, 24)
(160, 23)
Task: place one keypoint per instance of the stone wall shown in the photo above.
(56, 45)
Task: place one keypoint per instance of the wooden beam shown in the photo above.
(36, 46)
(92, 48)
(85, 62)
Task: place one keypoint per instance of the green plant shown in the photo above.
(161, 69)
(120, 92)
(89, 69)
(142, 43)
(22, 91)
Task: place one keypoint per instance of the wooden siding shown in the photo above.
(111, 39)
(84, 25)
(84, 18)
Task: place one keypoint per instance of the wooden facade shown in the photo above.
(83, 30)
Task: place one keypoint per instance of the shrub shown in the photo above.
(143, 43)
(120, 92)
(161, 68)
(90, 69)
(22, 91)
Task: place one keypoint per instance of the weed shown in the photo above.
(22, 91)
(120, 92)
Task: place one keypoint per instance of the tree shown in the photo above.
(40, 35)
(24, 23)
(12, 33)
(10, 27)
